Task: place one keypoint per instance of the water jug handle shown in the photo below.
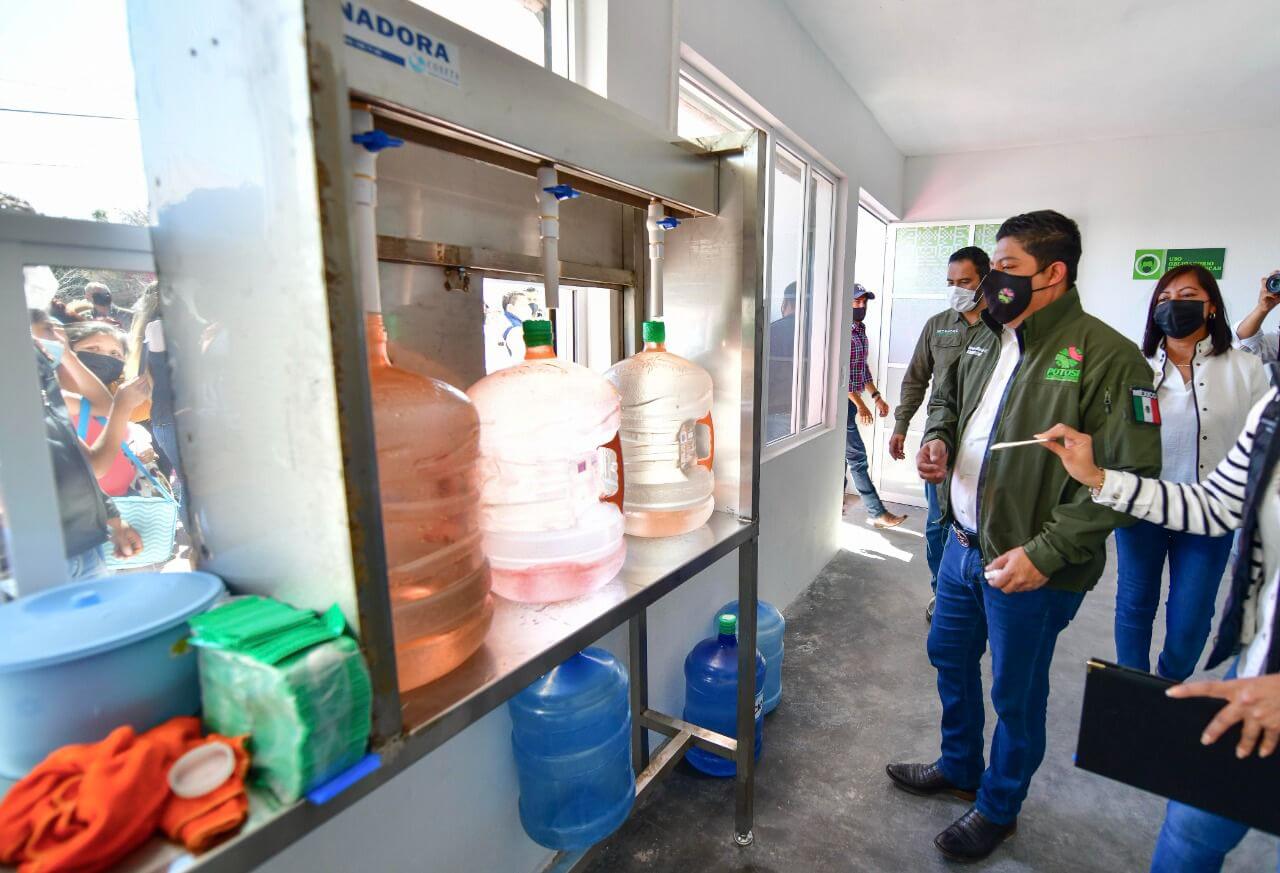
(711, 450)
(615, 445)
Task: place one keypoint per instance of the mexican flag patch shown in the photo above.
(1146, 408)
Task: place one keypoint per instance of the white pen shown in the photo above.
(1010, 445)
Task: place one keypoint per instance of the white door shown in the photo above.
(915, 289)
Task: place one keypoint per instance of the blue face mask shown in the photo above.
(53, 349)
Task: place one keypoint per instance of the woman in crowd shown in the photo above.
(102, 349)
(1243, 493)
(1205, 389)
(89, 518)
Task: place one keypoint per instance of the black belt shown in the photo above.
(966, 538)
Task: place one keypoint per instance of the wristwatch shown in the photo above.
(875, 395)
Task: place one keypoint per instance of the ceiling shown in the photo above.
(966, 75)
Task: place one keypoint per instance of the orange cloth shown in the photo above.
(85, 807)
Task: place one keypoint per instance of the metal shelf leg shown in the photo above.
(748, 564)
(638, 634)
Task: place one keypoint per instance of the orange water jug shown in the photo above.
(551, 475)
(428, 438)
(668, 439)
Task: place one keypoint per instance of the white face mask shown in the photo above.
(963, 299)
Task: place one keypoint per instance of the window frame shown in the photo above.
(776, 135)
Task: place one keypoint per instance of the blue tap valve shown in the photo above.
(668, 223)
(563, 191)
(376, 140)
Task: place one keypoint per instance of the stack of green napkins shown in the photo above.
(290, 679)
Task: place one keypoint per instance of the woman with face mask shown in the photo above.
(102, 349)
(1205, 389)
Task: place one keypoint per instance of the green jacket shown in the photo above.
(943, 338)
(1074, 369)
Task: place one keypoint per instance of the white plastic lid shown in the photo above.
(202, 770)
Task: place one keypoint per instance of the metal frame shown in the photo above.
(37, 550)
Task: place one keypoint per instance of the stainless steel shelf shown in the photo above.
(526, 640)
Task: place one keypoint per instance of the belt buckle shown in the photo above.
(961, 537)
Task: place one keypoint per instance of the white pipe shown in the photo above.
(657, 247)
(549, 227)
(364, 195)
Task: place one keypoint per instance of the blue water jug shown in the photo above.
(770, 629)
(711, 694)
(571, 731)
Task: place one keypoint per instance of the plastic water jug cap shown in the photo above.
(202, 770)
(728, 624)
(655, 332)
(536, 333)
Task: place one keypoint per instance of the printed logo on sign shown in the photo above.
(1067, 366)
(399, 44)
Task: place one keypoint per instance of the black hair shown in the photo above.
(1047, 236)
(99, 293)
(980, 260)
(1219, 327)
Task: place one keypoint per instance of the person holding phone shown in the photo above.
(1249, 333)
(1242, 493)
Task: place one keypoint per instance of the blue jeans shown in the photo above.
(1195, 571)
(855, 454)
(1194, 841)
(1023, 629)
(87, 564)
(935, 534)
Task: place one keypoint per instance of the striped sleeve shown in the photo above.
(1213, 507)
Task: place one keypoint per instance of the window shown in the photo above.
(538, 30)
(586, 327)
(71, 146)
(803, 198)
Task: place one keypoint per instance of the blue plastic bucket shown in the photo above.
(80, 660)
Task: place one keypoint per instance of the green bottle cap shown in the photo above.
(536, 333)
(655, 331)
(728, 624)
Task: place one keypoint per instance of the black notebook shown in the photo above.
(1131, 732)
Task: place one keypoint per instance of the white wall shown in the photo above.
(1215, 189)
(457, 808)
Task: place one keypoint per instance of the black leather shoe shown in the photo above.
(973, 837)
(925, 780)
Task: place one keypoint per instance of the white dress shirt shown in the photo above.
(972, 449)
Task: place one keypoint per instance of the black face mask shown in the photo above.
(105, 367)
(1179, 318)
(859, 313)
(1007, 295)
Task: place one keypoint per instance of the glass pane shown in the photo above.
(984, 237)
(513, 24)
(909, 316)
(920, 257)
(70, 145)
(700, 114)
(104, 330)
(868, 264)
(787, 228)
(822, 199)
(508, 303)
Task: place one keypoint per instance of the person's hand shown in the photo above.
(1013, 572)
(1076, 453)
(60, 334)
(1255, 702)
(864, 415)
(126, 541)
(931, 461)
(1266, 300)
(897, 446)
(133, 393)
(882, 408)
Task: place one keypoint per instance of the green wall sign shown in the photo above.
(1153, 263)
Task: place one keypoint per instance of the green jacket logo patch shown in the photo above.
(1067, 366)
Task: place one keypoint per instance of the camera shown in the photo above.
(1273, 283)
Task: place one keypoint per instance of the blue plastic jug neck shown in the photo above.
(728, 639)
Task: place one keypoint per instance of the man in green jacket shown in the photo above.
(1027, 541)
(943, 338)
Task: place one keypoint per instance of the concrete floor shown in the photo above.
(858, 692)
